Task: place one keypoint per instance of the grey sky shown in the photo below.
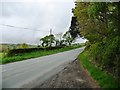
(35, 14)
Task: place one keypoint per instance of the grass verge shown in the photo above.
(35, 54)
(1, 55)
(104, 79)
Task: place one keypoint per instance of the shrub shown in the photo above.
(14, 52)
(106, 54)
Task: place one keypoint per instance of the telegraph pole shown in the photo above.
(50, 37)
(50, 31)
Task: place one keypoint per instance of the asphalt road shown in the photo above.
(32, 72)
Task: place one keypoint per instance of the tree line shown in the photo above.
(50, 40)
(99, 23)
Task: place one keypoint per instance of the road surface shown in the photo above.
(30, 73)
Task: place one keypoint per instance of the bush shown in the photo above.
(14, 52)
(23, 56)
(112, 55)
(104, 79)
(106, 55)
(96, 51)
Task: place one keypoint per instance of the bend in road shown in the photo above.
(30, 73)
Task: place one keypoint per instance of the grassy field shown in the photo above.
(1, 55)
(105, 80)
(25, 56)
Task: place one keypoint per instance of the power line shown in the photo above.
(20, 27)
(26, 28)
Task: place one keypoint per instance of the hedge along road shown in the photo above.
(31, 73)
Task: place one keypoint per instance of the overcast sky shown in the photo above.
(36, 15)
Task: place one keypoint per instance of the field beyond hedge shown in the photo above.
(34, 54)
(1, 54)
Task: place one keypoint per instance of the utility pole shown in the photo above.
(50, 37)
(50, 31)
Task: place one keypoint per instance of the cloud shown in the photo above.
(34, 14)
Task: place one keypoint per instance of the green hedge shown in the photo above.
(23, 56)
(14, 52)
(105, 80)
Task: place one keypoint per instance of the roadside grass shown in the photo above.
(35, 54)
(104, 79)
(1, 54)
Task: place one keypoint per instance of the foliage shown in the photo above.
(104, 79)
(15, 52)
(34, 54)
(47, 40)
(99, 23)
(57, 43)
(68, 38)
(23, 46)
(6, 47)
(50, 40)
(1, 55)
(73, 28)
